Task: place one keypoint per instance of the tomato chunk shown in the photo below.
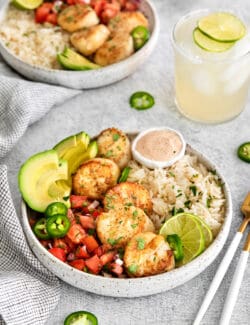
(98, 6)
(42, 12)
(116, 268)
(78, 264)
(94, 264)
(99, 251)
(60, 243)
(59, 253)
(51, 18)
(78, 201)
(81, 252)
(107, 257)
(87, 222)
(76, 234)
(90, 243)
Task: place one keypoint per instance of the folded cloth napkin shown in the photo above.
(28, 291)
(23, 103)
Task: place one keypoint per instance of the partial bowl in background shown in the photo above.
(89, 78)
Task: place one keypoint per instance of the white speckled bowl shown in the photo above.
(90, 78)
(140, 286)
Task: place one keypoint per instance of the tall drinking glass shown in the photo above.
(210, 87)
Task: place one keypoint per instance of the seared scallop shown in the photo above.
(117, 226)
(115, 49)
(87, 41)
(129, 194)
(148, 254)
(126, 21)
(77, 17)
(115, 145)
(94, 177)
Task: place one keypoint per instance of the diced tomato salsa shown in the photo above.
(80, 247)
(105, 9)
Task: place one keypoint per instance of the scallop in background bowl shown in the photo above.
(89, 78)
(134, 287)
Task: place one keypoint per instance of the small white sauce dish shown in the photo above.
(151, 163)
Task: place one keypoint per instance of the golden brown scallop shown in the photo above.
(115, 145)
(128, 193)
(148, 254)
(94, 177)
(88, 40)
(117, 226)
(115, 49)
(77, 17)
(126, 21)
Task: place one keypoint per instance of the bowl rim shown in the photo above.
(198, 265)
(109, 68)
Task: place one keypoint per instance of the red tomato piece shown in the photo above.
(116, 268)
(87, 222)
(59, 253)
(42, 12)
(81, 252)
(70, 2)
(70, 244)
(99, 251)
(98, 6)
(90, 243)
(52, 18)
(96, 213)
(78, 201)
(94, 264)
(131, 6)
(59, 242)
(78, 264)
(46, 243)
(71, 216)
(76, 234)
(83, 2)
(107, 257)
(108, 13)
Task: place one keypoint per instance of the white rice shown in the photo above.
(186, 185)
(36, 44)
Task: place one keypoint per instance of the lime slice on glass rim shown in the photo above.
(190, 232)
(27, 4)
(222, 26)
(209, 44)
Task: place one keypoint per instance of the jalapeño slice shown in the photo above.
(176, 246)
(57, 225)
(244, 152)
(141, 100)
(40, 229)
(81, 317)
(56, 208)
(124, 175)
(140, 36)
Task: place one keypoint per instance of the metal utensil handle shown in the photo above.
(234, 289)
(218, 277)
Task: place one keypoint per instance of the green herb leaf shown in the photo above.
(193, 189)
(140, 243)
(116, 136)
(132, 268)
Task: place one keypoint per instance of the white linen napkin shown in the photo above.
(28, 291)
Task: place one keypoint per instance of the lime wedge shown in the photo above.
(222, 26)
(209, 44)
(27, 4)
(208, 235)
(190, 232)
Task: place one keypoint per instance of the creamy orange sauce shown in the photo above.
(162, 145)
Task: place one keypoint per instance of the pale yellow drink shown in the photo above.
(210, 87)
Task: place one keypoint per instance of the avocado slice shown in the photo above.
(37, 175)
(81, 158)
(63, 146)
(71, 60)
